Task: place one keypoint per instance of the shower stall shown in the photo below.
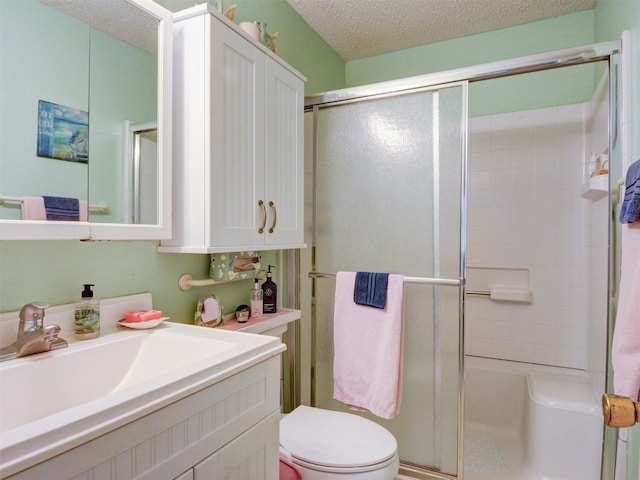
(405, 178)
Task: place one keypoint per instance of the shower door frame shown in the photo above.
(605, 51)
(451, 280)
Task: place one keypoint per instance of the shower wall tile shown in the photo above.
(481, 143)
(526, 170)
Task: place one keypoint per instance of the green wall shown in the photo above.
(297, 43)
(54, 271)
(45, 77)
(124, 76)
(543, 36)
(126, 81)
(501, 95)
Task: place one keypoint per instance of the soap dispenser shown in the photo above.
(256, 299)
(269, 293)
(86, 323)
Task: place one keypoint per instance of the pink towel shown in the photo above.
(33, 208)
(83, 208)
(626, 336)
(367, 364)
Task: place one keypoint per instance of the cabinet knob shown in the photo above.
(264, 216)
(275, 216)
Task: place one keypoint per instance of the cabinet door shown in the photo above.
(252, 455)
(188, 475)
(236, 139)
(285, 166)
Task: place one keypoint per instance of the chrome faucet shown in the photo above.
(33, 336)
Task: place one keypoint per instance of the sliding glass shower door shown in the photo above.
(389, 181)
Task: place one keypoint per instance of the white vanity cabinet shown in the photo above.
(254, 454)
(227, 430)
(238, 140)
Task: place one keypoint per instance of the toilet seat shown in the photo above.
(330, 441)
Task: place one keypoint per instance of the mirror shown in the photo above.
(79, 82)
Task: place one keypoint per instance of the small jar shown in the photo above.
(242, 314)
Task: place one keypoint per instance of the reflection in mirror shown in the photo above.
(61, 80)
(141, 172)
(44, 78)
(123, 91)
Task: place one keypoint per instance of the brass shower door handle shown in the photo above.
(619, 411)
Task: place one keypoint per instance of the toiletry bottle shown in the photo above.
(269, 294)
(87, 315)
(256, 299)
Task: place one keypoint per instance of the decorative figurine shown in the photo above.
(230, 12)
(267, 40)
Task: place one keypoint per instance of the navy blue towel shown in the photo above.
(371, 289)
(62, 208)
(630, 210)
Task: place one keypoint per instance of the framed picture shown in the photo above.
(63, 132)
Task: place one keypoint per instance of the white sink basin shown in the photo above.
(54, 401)
(42, 385)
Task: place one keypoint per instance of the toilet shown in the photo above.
(324, 444)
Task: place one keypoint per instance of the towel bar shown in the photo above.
(186, 281)
(449, 282)
(98, 208)
(501, 294)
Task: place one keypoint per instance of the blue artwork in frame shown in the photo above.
(63, 132)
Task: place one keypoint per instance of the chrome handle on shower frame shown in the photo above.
(264, 216)
(275, 216)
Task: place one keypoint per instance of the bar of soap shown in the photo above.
(143, 316)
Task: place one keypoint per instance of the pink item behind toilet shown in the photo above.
(288, 471)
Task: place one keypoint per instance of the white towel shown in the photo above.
(626, 337)
(368, 345)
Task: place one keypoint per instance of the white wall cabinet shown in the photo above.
(238, 143)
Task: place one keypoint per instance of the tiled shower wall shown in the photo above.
(526, 171)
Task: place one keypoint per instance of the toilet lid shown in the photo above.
(335, 439)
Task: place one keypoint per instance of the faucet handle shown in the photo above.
(51, 332)
(32, 316)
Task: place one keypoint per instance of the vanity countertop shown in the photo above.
(270, 324)
(94, 387)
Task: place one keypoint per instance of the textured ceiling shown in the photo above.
(364, 28)
(117, 18)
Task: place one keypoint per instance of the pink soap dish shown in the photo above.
(143, 325)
